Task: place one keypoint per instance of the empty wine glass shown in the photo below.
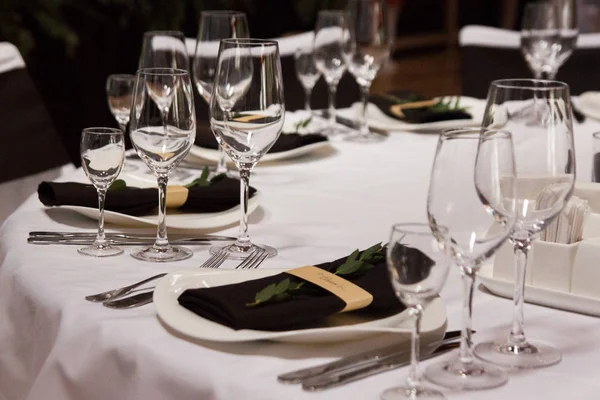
(162, 129)
(214, 26)
(471, 213)
(164, 49)
(368, 48)
(418, 269)
(102, 155)
(119, 88)
(545, 160)
(246, 114)
(329, 47)
(548, 36)
(307, 72)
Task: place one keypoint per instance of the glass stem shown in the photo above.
(243, 240)
(332, 91)
(517, 334)
(100, 237)
(307, 93)
(466, 342)
(364, 94)
(162, 242)
(165, 116)
(413, 379)
(222, 165)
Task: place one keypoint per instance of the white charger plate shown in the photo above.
(377, 119)
(535, 295)
(588, 104)
(175, 219)
(202, 153)
(341, 326)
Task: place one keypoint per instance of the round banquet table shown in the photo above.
(56, 345)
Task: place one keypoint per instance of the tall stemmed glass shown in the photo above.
(545, 159)
(163, 128)
(471, 212)
(246, 114)
(307, 72)
(418, 269)
(548, 36)
(164, 49)
(214, 26)
(368, 48)
(329, 47)
(119, 89)
(102, 155)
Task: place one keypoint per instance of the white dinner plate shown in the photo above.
(377, 119)
(535, 295)
(201, 153)
(340, 327)
(175, 219)
(588, 104)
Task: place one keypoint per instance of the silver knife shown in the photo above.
(137, 300)
(111, 235)
(338, 378)
(120, 242)
(347, 122)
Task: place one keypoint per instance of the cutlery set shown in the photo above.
(362, 365)
(83, 238)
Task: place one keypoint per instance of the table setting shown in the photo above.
(362, 252)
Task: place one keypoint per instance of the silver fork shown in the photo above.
(215, 260)
(254, 260)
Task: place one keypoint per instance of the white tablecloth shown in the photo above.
(56, 345)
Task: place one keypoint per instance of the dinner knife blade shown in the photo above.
(115, 241)
(334, 379)
(350, 361)
(111, 235)
(137, 300)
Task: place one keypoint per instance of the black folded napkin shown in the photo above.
(227, 305)
(419, 115)
(220, 195)
(285, 142)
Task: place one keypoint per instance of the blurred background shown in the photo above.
(71, 46)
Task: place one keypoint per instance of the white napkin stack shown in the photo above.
(567, 228)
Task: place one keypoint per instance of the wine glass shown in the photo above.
(164, 49)
(471, 213)
(548, 36)
(214, 26)
(246, 114)
(545, 160)
(307, 72)
(119, 88)
(162, 129)
(368, 48)
(102, 154)
(329, 47)
(418, 269)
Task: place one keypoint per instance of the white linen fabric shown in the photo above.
(56, 345)
(10, 57)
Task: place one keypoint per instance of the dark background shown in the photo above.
(71, 46)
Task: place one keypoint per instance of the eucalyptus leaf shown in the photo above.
(118, 184)
(349, 267)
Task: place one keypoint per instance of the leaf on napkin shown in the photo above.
(203, 179)
(118, 184)
(303, 123)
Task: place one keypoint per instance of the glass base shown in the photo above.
(235, 252)
(364, 137)
(501, 353)
(168, 254)
(404, 392)
(460, 376)
(97, 250)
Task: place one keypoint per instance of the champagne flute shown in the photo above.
(368, 48)
(329, 47)
(548, 36)
(163, 128)
(545, 160)
(119, 88)
(247, 112)
(214, 26)
(471, 213)
(418, 269)
(102, 155)
(307, 73)
(164, 49)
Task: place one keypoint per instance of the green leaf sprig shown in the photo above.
(118, 184)
(356, 263)
(303, 123)
(203, 179)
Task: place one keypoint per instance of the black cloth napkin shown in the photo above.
(226, 305)
(415, 115)
(218, 196)
(285, 142)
